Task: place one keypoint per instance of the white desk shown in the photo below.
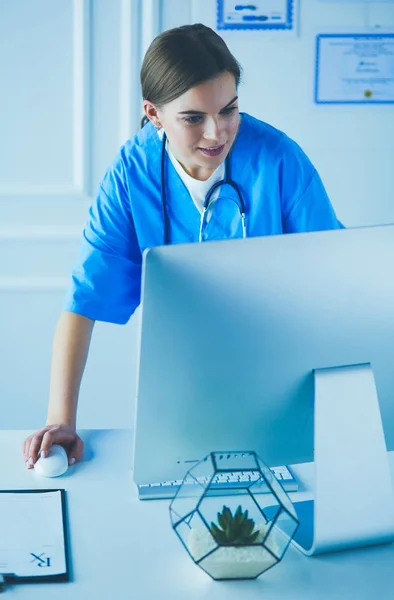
(122, 548)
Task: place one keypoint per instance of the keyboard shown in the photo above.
(220, 485)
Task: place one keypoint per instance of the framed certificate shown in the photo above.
(356, 1)
(357, 69)
(262, 14)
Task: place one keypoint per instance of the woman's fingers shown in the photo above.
(35, 446)
(26, 446)
(76, 451)
(39, 444)
(48, 439)
(32, 442)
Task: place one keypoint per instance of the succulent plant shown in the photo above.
(234, 530)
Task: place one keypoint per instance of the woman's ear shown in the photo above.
(151, 113)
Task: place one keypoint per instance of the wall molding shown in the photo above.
(81, 125)
(61, 191)
(194, 11)
(130, 63)
(34, 284)
(151, 22)
(51, 234)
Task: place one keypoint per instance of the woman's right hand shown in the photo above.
(41, 441)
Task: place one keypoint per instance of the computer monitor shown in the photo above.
(275, 344)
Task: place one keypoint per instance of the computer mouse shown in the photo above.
(54, 465)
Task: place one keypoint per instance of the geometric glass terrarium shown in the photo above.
(239, 532)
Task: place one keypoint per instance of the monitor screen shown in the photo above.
(231, 333)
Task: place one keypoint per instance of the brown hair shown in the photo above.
(181, 58)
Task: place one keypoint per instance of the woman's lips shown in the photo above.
(214, 151)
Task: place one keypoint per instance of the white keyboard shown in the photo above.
(220, 484)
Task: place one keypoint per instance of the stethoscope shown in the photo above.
(208, 198)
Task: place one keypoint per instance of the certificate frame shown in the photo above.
(251, 25)
(358, 1)
(336, 98)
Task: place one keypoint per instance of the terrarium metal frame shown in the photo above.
(245, 542)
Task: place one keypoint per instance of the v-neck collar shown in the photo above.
(184, 216)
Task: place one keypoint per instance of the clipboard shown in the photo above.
(11, 578)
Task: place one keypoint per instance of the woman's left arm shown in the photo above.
(304, 201)
(312, 211)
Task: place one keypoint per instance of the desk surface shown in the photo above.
(124, 548)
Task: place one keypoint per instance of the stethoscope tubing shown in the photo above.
(207, 201)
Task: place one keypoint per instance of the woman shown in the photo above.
(154, 194)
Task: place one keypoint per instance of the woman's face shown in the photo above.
(201, 125)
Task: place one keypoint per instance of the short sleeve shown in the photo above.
(313, 211)
(305, 203)
(106, 280)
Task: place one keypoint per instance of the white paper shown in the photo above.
(355, 68)
(261, 14)
(31, 534)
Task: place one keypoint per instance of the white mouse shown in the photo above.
(54, 465)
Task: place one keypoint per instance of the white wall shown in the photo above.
(70, 97)
(352, 146)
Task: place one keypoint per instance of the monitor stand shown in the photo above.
(354, 495)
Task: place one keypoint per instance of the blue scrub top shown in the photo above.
(282, 191)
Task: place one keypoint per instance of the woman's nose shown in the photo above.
(212, 130)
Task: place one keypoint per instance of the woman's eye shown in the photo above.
(193, 120)
(197, 120)
(228, 111)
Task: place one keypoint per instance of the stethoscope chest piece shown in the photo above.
(209, 198)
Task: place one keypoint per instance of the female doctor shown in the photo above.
(198, 170)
